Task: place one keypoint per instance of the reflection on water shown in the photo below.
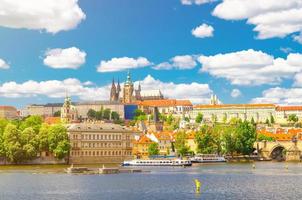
(218, 181)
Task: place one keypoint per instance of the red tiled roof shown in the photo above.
(143, 140)
(235, 106)
(7, 107)
(289, 108)
(165, 103)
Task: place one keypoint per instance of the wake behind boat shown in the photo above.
(155, 162)
(207, 158)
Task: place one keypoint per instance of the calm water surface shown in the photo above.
(219, 181)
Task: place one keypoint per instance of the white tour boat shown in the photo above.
(207, 158)
(155, 162)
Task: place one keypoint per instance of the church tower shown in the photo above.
(118, 90)
(138, 93)
(113, 92)
(128, 90)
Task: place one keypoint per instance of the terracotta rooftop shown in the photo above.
(234, 106)
(289, 108)
(7, 107)
(143, 140)
(165, 103)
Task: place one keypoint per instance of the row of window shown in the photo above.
(96, 137)
(100, 153)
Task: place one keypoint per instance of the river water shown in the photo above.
(269, 180)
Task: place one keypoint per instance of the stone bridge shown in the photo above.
(280, 150)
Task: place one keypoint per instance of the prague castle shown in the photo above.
(131, 95)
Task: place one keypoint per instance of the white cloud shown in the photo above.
(298, 38)
(50, 15)
(203, 31)
(197, 2)
(286, 49)
(53, 89)
(198, 93)
(235, 93)
(179, 62)
(3, 64)
(251, 67)
(279, 95)
(70, 58)
(123, 63)
(298, 80)
(271, 18)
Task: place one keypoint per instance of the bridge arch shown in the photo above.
(277, 152)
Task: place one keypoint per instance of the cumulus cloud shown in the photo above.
(271, 18)
(49, 15)
(203, 31)
(298, 38)
(280, 95)
(178, 62)
(197, 2)
(70, 58)
(3, 64)
(123, 63)
(53, 89)
(198, 93)
(235, 93)
(250, 67)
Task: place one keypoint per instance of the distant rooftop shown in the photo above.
(97, 127)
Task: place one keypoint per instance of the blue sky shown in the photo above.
(157, 30)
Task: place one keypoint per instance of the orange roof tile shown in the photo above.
(289, 108)
(234, 106)
(8, 107)
(165, 103)
(143, 140)
(52, 120)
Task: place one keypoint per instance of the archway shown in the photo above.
(278, 153)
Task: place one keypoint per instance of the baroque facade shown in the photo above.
(100, 143)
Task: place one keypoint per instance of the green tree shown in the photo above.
(139, 115)
(199, 118)
(229, 140)
(33, 121)
(262, 137)
(253, 121)
(115, 116)
(106, 114)
(11, 142)
(58, 141)
(272, 119)
(246, 137)
(180, 143)
(153, 149)
(205, 141)
(293, 118)
(267, 122)
(170, 119)
(43, 138)
(3, 123)
(57, 113)
(91, 114)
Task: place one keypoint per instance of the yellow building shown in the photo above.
(100, 143)
(140, 147)
(8, 112)
(191, 141)
(164, 140)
